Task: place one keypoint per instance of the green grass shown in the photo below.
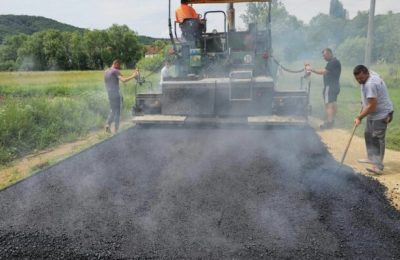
(14, 177)
(41, 109)
(27, 84)
(29, 124)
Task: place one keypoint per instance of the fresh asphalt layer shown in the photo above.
(199, 193)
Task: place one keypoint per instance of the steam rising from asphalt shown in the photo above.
(202, 188)
(186, 192)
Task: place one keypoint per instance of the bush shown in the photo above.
(7, 65)
(5, 155)
(352, 51)
(390, 73)
(151, 63)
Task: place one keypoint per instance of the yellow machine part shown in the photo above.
(224, 1)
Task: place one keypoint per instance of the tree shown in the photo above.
(288, 39)
(79, 57)
(325, 31)
(9, 51)
(97, 44)
(352, 50)
(56, 50)
(336, 9)
(387, 39)
(160, 45)
(124, 45)
(31, 55)
(357, 26)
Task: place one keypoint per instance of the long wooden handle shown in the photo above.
(348, 144)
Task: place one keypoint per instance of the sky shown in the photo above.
(150, 17)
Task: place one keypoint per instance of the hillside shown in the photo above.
(13, 24)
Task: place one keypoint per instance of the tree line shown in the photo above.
(293, 40)
(78, 50)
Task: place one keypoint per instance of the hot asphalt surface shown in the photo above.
(199, 193)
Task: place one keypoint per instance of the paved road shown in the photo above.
(199, 193)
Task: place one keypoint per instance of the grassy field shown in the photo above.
(41, 109)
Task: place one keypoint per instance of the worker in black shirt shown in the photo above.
(331, 74)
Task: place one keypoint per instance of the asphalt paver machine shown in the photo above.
(225, 77)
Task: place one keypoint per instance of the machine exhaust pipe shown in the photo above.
(231, 18)
(170, 27)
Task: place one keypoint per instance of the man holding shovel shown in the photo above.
(378, 109)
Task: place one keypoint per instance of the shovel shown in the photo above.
(347, 148)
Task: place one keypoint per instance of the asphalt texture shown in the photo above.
(199, 194)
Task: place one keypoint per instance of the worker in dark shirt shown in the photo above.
(112, 76)
(331, 74)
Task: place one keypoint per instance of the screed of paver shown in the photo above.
(199, 193)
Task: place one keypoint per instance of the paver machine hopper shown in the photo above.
(225, 77)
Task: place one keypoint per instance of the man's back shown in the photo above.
(111, 79)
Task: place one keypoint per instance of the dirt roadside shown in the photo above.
(336, 141)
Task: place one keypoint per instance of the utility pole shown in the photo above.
(370, 36)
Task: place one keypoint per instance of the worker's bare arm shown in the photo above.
(126, 79)
(371, 107)
(309, 68)
(319, 71)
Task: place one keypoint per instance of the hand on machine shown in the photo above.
(139, 79)
(307, 70)
(136, 72)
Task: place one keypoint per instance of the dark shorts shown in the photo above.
(330, 94)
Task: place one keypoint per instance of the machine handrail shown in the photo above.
(225, 27)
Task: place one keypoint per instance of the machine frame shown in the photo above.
(225, 78)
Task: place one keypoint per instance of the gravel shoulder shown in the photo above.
(336, 141)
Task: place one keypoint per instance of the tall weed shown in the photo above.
(34, 123)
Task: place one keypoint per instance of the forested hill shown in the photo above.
(13, 24)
